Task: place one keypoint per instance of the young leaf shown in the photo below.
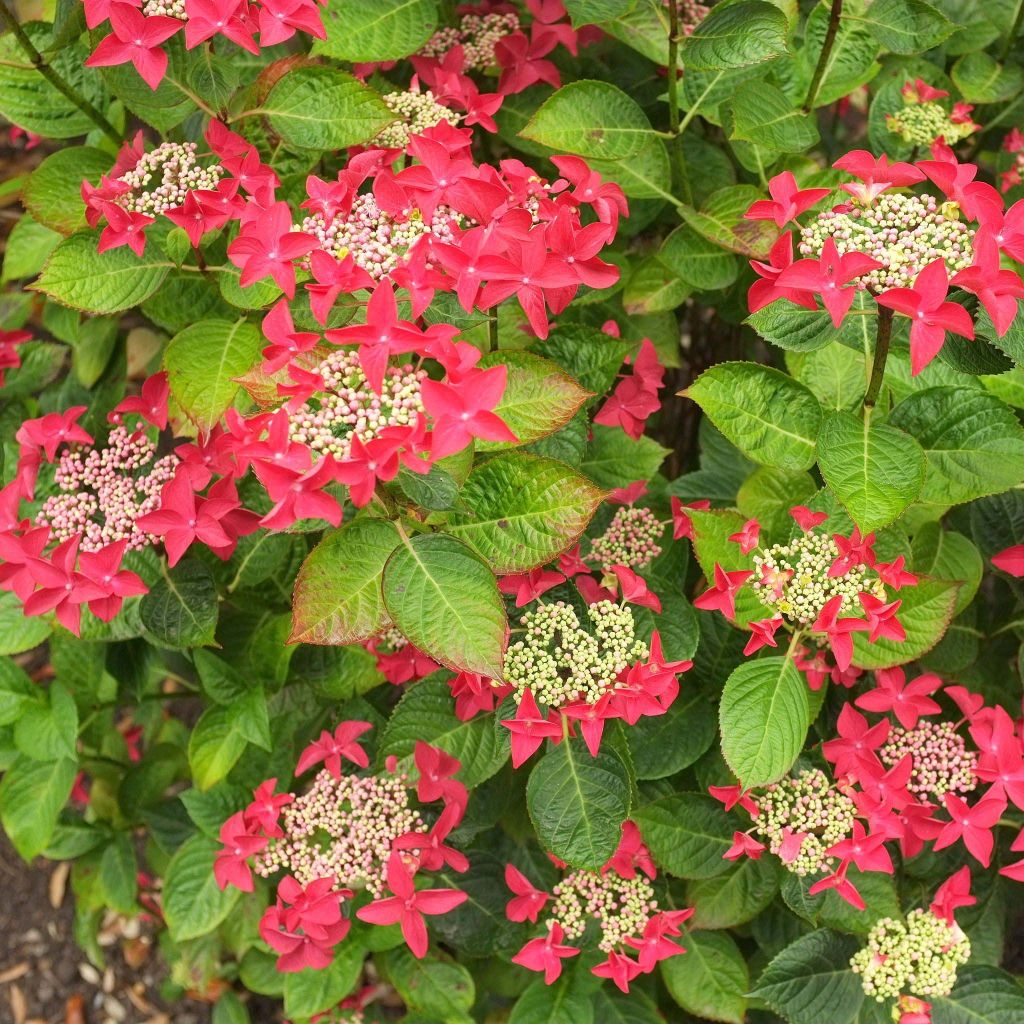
(763, 716)
(338, 597)
(32, 794)
(736, 36)
(874, 470)
(446, 601)
(193, 902)
(181, 609)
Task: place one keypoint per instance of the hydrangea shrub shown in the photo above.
(514, 511)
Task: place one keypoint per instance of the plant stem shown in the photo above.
(826, 52)
(1011, 37)
(678, 158)
(40, 63)
(492, 331)
(882, 337)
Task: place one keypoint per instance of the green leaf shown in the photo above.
(981, 79)
(925, 614)
(215, 744)
(810, 980)
(567, 1001)
(309, 992)
(851, 60)
(439, 988)
(48, 731)
(687, 833)
(539, 397)
(31, 101)
(874, 470)
(53, 194)
(19, 632)
(652, 287)
(983, 995)
(426, 713)
(32, 794)
(763, 716)
(974, 444)
(665, 744)
(700, 263)
(166, 106)
(769, 416)
(614, 459)
(736, 35)
(436, 490)
(710, 979)
(593, 12)
(118, 870)
(590, 356)
(906, 26)
(793, 327)
(948, 555)
(78, 276)
(522, 510)
(612, 1007)
(338, 597)
(193, 902)
(319, 107)
(446, 601)
(721, 220)
(736, 897)
(765, 116)
(829, 910)
(181, 608)
(17, 692)
(201, 363)
(593, 119)
(711, 531)
(382, 31)
(578, 803)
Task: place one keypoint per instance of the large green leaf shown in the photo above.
(437, 987)
(193, 902)
(319, 107)
(763, 717)
(874, 470)
(905, 26)
(446, 601)
(309, 992)
(202, 362)
(982, 995)
(614, 459)
(519, 511)
(736, 36)
(77, 275)
(810, 981)
(737, 896)
(973, 442)
(338, 597)
(710, 979)
(699, 262)
(687, 833)
(32, 794)
(381, 31)
(54, 192)
(593, 119)
(770, 417)
(593, 12)
(181, 608)
(764, 115)
(578, 803)
(215, 744)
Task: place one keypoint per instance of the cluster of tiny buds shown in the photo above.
(792, 579)
(631, 539)
(806, 806)
(920, 956)
(476, 34)
(103, 493)
(348, 407)
(942, 762)
(902, 232)
(376, 241)
(163, 177)
(418, 112)
(620, 906)
(561, 662)
(165, 8)
(691, 14)
(392, 640)
(920, 124)
(342, 828)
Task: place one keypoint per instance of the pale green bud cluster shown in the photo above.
(348, 407)
(165, 8)
(792, 579)
(921, 124)
(902, 232)
(942, 762)
(620, 906)
(164, 176)
(418, 112)
(631, 539)
(806, 805)
(561, 662)
(920, 956)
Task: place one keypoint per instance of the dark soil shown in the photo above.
(45, 978)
